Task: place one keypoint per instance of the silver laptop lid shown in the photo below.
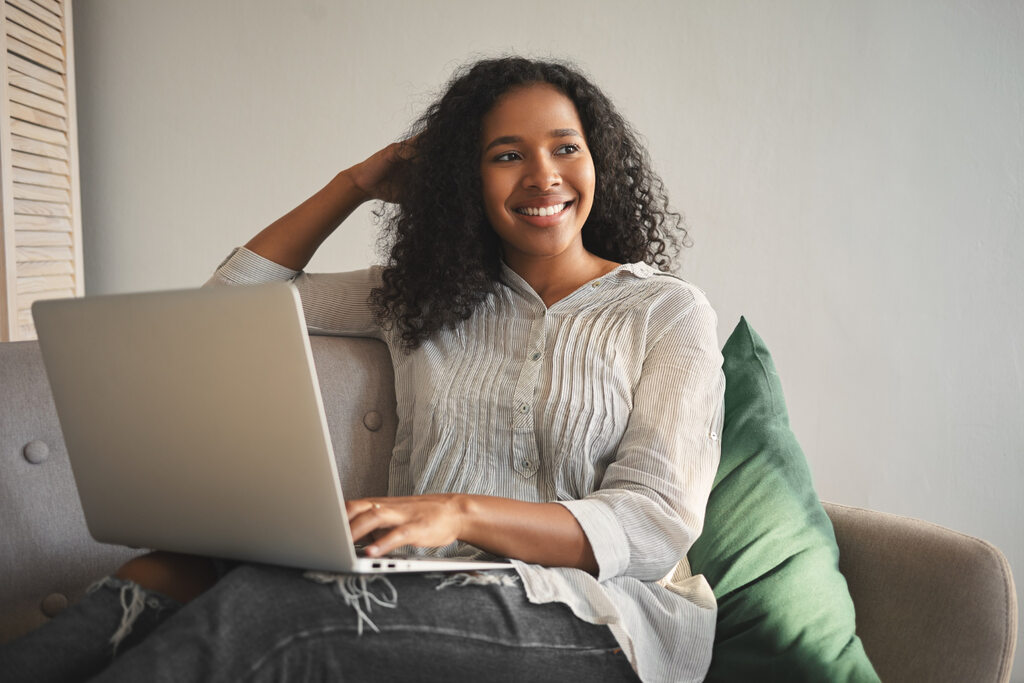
(168, 397)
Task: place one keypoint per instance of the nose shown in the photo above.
(541, 173)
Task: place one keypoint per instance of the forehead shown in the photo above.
(530, 109)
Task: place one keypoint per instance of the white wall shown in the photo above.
(853, 174)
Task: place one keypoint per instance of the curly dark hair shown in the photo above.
(445, 258)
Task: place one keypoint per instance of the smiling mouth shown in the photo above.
(545, 210)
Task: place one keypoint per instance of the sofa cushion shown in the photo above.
(768, 548)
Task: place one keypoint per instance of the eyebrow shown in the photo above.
(556, 133)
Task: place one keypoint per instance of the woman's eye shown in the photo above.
(568, 149)
(507, 156)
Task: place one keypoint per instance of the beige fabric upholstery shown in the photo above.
(357, 384)
(933, 605)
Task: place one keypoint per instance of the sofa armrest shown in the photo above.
(932, 604)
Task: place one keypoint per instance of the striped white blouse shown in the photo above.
(608, 402)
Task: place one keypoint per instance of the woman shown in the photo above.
(559, 399)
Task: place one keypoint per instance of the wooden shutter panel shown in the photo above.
(41, 235)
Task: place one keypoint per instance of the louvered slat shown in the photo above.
(31, 99)
(52, 6)
(54, 223)
(42, 194)
(35, 162)
(37, 11)
(46, 268)
(23, 175)
(43, 149)
(31, 238)
(33, 39)
(30, 130)
(26, 300)
(30, 52)
(27, 208)
(22, 65)
(37, 87)
(45, 283)
(26, 325)
(28, 254)
(40, 118)
(49, 25)
(26, 19)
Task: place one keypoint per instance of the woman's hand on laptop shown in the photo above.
(424, 521)
(540, 533)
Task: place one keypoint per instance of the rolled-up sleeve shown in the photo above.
(333, 303)
(650, 505)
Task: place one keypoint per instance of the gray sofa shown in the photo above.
(932, 604)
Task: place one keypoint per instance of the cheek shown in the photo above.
(493, 196)
(585, 178)
(591, 178)
(587, 184)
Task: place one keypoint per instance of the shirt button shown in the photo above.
(535, 355)
(595, 284)
(524, 409)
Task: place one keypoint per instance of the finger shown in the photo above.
(354, 508)
(406, 148)
(395, 538)
(364, 523)
(375, 518)
(369, 533)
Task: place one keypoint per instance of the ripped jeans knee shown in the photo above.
(490, 578)
(135, 601)
(363, 592)
(358, 593)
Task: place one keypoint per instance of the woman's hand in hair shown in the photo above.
(293, 239)
(375, 176)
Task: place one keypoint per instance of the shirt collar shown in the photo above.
(641, 270)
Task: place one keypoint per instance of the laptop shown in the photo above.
(194, 423)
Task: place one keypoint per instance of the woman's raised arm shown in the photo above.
(292, 239)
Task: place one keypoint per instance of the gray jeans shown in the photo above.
(263, 623)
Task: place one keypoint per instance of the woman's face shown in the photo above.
(537, 173)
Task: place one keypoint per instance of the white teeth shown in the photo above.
(545, 211)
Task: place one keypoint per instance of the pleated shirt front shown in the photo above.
(608, 402)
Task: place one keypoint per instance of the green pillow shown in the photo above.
(768, 548)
